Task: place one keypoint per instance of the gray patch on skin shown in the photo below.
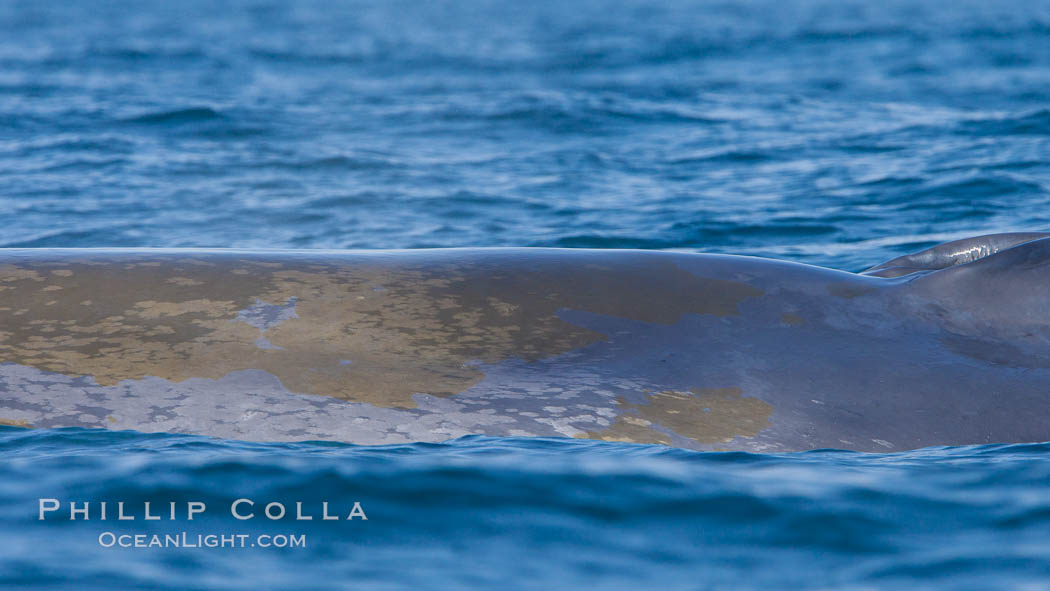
(521, 393)
(248, 404)
(265, 316)
(252, 405)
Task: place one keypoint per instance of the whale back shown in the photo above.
(695, 350)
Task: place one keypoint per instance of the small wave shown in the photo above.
(177, 116)
(730, 156)
(74, 143)
(144, 52)
(984, 186)
(328, 163)
(1030, 123)
(73, 237)
(572, 112)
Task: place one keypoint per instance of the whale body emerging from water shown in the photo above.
(948, 346)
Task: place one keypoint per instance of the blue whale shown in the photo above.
(947, 346)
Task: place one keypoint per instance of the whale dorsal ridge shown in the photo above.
(954, 253)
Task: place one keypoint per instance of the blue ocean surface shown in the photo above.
(521, 513)
(836, 133)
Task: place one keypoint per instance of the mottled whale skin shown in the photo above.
(949, 346)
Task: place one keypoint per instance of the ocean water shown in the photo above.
(486, 513)
(837, 133)
(831, 132)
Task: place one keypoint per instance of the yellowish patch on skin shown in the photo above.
(849, 290)
(792, 319)
(628, 429)
(16, 423)
(9, 273)
(705, 415)
(409, 327)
